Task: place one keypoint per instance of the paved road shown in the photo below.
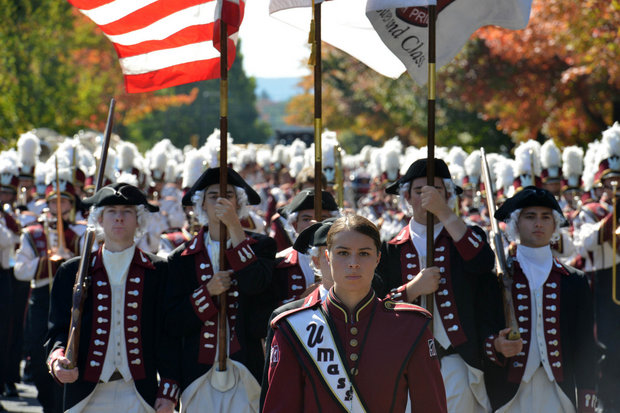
(25, 403)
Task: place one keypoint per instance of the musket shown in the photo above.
(62, 252)
(82, 279)
(503, 272)
(339, 178)
(614, 244)
(46, 232)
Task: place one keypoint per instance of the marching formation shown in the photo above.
(239, 302)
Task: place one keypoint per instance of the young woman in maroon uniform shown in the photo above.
(354, 352)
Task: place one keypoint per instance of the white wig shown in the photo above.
(198, 200)
(513, 232)
(403, 188)
(142, 217)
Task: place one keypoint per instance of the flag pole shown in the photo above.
(222, 331)
(315, 60)
(430, 164)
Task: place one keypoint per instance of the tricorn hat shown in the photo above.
(418, 170)
(313, 236)
(119, 193)
(305, 200)
(212, 176)
(528, 197)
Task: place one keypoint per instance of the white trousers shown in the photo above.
(465, 390)
(113, 397)
(539, 395)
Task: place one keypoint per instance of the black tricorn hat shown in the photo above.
(305, 200)
(529, 196)
(212, 176)
(313, 236)
(119, 193)
(418, 170)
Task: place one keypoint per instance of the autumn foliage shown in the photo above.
(559, 77)
(101, 77)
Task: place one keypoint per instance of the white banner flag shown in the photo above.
(403, 26)
(345, 26)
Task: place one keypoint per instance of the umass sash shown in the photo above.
(312, 333)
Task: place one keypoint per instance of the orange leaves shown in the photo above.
(558, 76)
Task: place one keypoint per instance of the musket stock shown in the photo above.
(497, 244)
(82, 279)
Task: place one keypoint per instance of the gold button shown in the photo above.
(353, 357)
(353, 330)
(354, 371)
(353, 342)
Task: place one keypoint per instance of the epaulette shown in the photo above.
(560, 266)
(287, 313)
(399, 306)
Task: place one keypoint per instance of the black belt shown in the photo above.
(114, 377)
(443, 352)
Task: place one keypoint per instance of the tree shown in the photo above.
(59, 71)
(558, 77)
(202, 114)
(36, 81)
(360, 102)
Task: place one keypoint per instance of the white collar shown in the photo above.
(420, 229)
(536, 264)
(117, 263)
(418, 238)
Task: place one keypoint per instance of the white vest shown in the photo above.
(117, 267)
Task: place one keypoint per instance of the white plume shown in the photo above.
(128, 178)
(456, 156)
(550, 155)
(504, 175)
(572, 161)
(526, 155)
(610, 144)
(127, 155)
(194, 166)
(29, 148)
(473, 164)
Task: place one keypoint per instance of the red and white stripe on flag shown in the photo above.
(403, 26)
(165, 43)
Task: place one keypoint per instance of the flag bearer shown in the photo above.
(463, 264)
(196, 279)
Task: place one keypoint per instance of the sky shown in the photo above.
(271, 48)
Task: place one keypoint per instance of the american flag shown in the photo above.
(164, 43)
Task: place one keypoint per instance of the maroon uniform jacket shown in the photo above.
(278, 233)
(38, 242)
(149, 351)
(466, 267)
(568, 323)
(289, 278)
(192, 313)
(391, 345)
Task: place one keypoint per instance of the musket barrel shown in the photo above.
(81, 278)
(500, 260)
(614, 244)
